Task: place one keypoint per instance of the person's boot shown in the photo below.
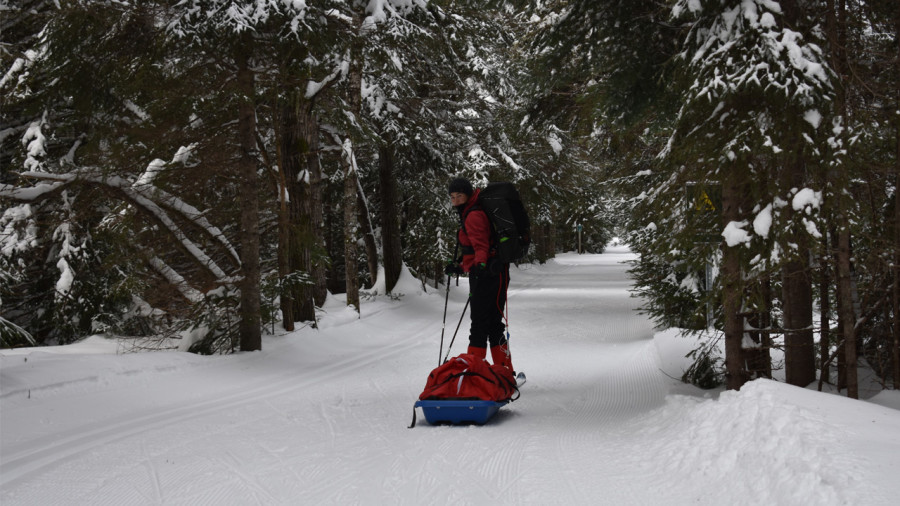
(500, 355)
(478, 352)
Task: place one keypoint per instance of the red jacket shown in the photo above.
(475, 234)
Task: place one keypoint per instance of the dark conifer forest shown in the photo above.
(213, 169)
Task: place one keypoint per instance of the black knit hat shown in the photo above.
(461, 185)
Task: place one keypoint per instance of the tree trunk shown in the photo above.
(732, 291)
(317, 211)
(333, 232)
(304, 246)
(365, 220)
(825, 315)
(300, 163)
(351, 183)
(538, 242)
(846, 311)
(841, 357)
(735, 373)
(363, 214)
(836, 19)
(797, 299)
(543, 238)
(390, 219)
(312, 237)
(351, 261)
(250, 324)
(799, 352)
(283, 253)
(896, 346)
(759, 360)
(550, 240)
(766, 323)
(294, 248)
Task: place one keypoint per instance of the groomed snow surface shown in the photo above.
(321, 416)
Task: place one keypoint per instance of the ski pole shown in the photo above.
(446, 299)
(457, 329)
(444, 323)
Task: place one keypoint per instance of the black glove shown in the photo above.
(453, 268)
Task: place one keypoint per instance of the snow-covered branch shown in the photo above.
(151, 200)
(197, 15)
(30, 193)
(342, 67)
(176, 280)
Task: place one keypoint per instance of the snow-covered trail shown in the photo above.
(320, 417)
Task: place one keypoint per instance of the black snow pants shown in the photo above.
(488, 301)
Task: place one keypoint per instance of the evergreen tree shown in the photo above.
(131, 101)
(71, 106)
(603, 98)
(754, 94)
(862, 41)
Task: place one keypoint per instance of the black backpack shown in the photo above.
(509, 220)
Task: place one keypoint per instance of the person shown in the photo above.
(488, 276)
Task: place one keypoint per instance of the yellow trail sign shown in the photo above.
(704, 203)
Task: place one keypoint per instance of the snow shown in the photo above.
(63, 233)
(517, 169)
(767, 21)
(153, 169)
(692, 6)
(34, 141)
(15, 68)
(811, 228)
(137, 110)
(348, 156)
(763, 222)
(555, 143)
(10, 238)
(183, 155)
(801, 56)
(813, 117)
(66, 278)
(321, 416)
(176, 280)
(807, 199)
(29, 193)
(298, 5)
(735, 234)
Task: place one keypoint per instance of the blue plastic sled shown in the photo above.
(457, 412)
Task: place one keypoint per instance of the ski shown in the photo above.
(520, 379)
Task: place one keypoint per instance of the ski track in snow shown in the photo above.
(297, 424)
(18, 463)
(599, 369)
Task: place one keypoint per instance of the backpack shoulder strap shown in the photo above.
(477, 207)
(465, 214)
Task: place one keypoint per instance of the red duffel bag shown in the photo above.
(469, 377)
